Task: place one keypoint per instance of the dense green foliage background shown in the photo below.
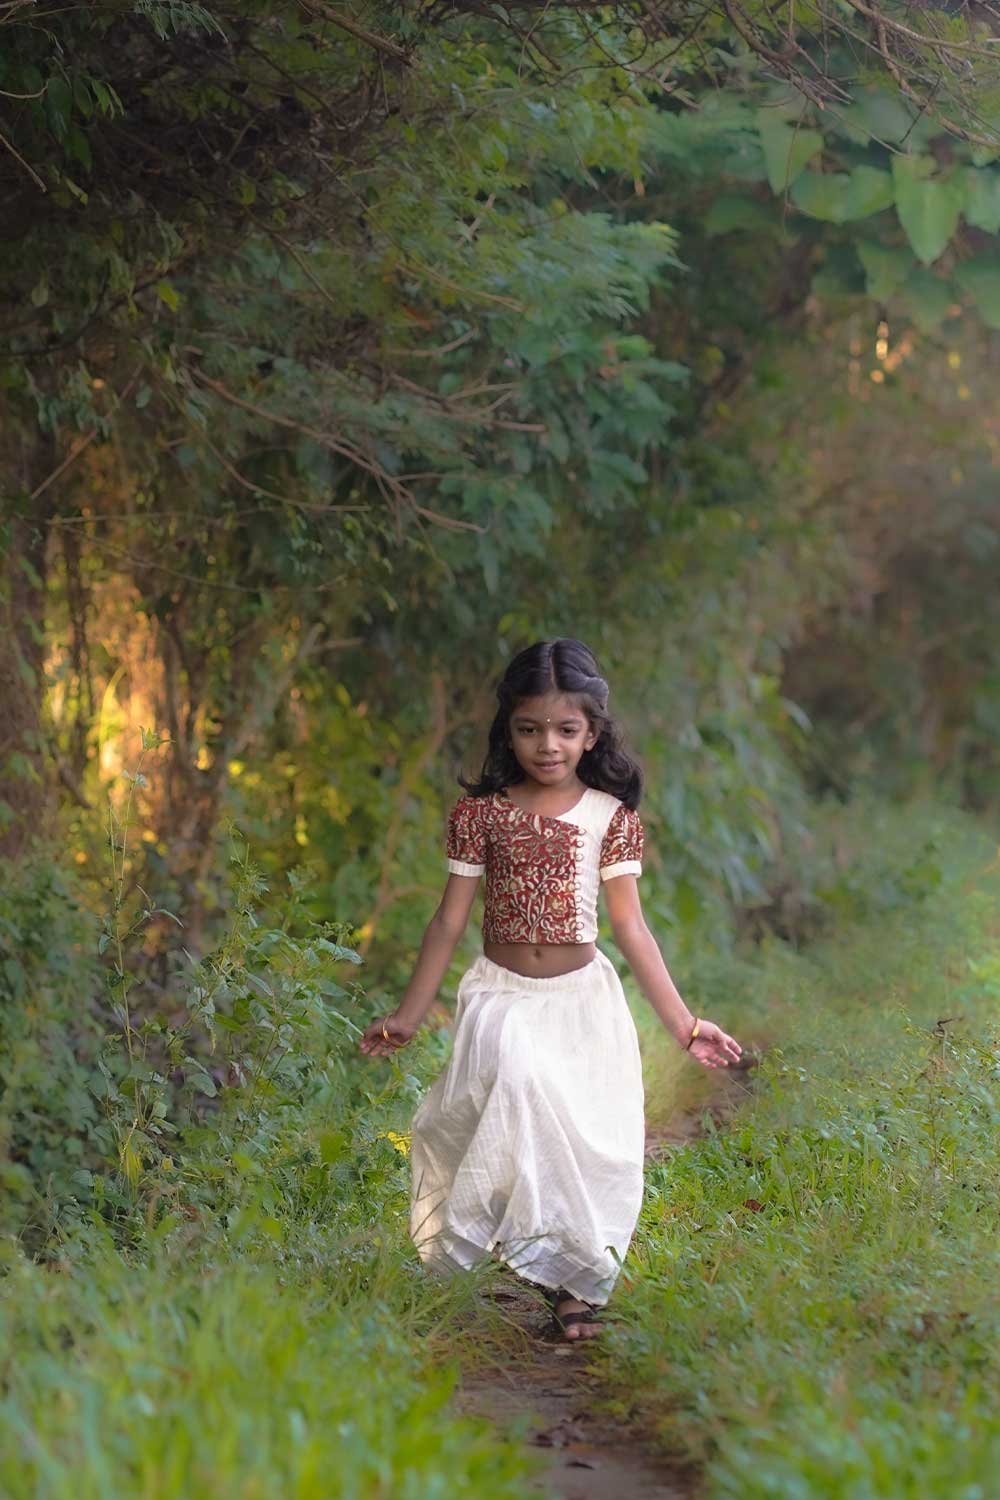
(345, 351)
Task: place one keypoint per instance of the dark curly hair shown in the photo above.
(564, 666)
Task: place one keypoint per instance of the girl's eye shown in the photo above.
(530, 729)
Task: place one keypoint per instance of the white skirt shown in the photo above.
(529, 1146)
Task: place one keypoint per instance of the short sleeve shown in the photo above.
(466, 843)
(621, 848)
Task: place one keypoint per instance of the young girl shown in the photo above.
(529, 1146)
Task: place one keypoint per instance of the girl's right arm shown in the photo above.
(444, 929)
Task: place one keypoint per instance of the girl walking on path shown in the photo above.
(529, 1145)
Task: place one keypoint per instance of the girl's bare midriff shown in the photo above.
(541, 960)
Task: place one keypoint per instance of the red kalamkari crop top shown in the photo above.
(543, 872)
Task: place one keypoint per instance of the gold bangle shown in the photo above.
(385, 1035)
(694, 1033)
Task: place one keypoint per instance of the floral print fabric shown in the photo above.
(623, 842)
(542, 872)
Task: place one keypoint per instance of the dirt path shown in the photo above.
(545, 1393)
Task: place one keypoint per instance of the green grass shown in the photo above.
(813, 1308)
(244, 1377)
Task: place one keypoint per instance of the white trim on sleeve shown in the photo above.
(459, 867)
(623, 867)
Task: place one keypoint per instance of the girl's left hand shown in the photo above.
(713, 1047)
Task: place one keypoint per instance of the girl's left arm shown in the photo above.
(713, 1047)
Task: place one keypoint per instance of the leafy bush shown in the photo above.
(50, 1038)
(235, 1306)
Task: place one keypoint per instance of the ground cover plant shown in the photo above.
(814, 1309)
(237, 1377)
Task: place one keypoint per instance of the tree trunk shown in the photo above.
(24, 778)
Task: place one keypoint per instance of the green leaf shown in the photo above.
(928, 208)
(869, 191)
(107, 100)
(981, 199)
(19, 768)
(557, 440)
(838, 274)
(78, 146)
(334, 1145)
(787, 148)
(74, 187)
(840, 196)
(879, 114)
(885, 268)
(168, 294)
(731, 211)
(489, 562)
(30, 572)
(58, 105)
(821, 195)
(82, 98)
(980, 280)
(926, 298)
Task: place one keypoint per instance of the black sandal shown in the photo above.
(562, 1321)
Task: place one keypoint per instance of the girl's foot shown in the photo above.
(575, 1319)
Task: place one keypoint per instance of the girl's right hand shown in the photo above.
(385, 1036)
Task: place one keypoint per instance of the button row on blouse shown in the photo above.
(578, 934)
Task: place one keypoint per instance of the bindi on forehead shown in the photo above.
(551, 714)
(552, 706)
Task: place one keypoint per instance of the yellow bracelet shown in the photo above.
(694, 1033)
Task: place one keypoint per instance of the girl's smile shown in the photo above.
(548, 735)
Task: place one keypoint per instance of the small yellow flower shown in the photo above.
(401, 1142)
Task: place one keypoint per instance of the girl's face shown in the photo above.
(548, 735)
